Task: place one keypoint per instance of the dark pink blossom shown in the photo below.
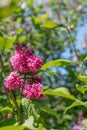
(35, 63)
(19, 61)
(33, 80)
(37, 79)
(26, 49)
(13, 81)
(33, 91)
(22, 62)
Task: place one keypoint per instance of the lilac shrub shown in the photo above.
(24, 79)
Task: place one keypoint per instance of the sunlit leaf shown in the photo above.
(50, 72)
(13, 128)
(19, 31)
(83, 78)
(49, 24)
(41, 18)
(7, 7)
(56, 63)
(63, 92)
(85, 59)
(82, 89)
(6, 43)
(40, 127)
(6, 110)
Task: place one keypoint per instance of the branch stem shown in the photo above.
(74, 48)
(19, 116)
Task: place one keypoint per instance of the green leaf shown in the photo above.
(6, 43)
(40, 127)
(50, 72)
(6, 110)
(40, 18)
(50, 111)
(82, 89)
(19, 31)
(85, 59)
(83, 78)
(63, 92)
(76, 103)
(56, 63)
(13, 128)
(49, 24)
(12, 102)
(7, 7)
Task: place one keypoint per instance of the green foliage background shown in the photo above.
(25, 25)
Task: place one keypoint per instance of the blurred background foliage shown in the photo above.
(20, 22)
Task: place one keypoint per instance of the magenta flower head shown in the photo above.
(33, 91)
(13, 81)
(24, 60)
(19, 61)
(35, 63)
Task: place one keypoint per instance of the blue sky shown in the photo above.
(81, 32)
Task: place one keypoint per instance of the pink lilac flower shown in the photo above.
(33, 91)
(19, 61)
(13, 81)
(9, 116)
(35, 63)
(24, 61)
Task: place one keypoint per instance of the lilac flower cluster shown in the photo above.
(13, 81)
(33, 91)
(25, 61)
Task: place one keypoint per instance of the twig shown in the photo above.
(74, 48)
